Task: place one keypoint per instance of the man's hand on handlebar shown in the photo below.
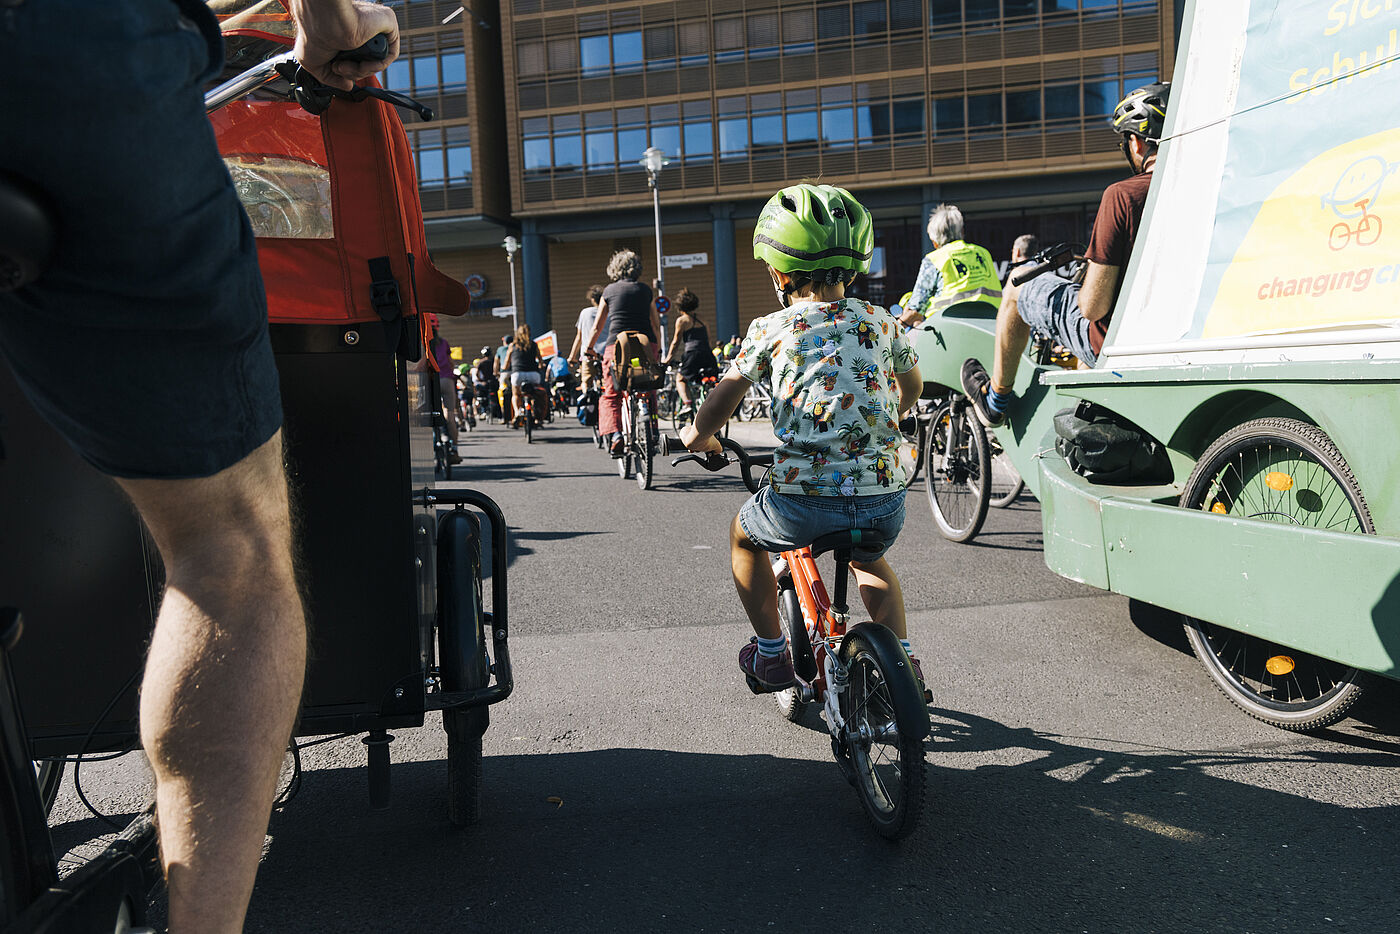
(326, 27)
(693, 442)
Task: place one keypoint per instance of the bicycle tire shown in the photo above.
(529, 425)
(789, 702)
(465, 667)
(891, 783)
(1236, 476)
(1006, 491)
(641, 447)
(957, 472)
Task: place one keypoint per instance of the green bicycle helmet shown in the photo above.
(815, 229)
(1143, 112)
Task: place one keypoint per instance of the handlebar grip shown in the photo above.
(375, 50)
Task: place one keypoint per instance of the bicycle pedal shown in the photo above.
(928, 696)
(755, 685)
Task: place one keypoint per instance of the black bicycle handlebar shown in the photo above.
(1050, 258)
(375, 50)
(718, 461)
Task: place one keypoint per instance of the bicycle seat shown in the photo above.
(864, 544)
(27, 232)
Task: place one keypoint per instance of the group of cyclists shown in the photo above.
(224, 673)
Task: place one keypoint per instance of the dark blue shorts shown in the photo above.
(777, 521)
(145, 341)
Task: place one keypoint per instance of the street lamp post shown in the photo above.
(512, 246)
(654, 160)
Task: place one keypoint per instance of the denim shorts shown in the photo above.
(1050, 304)
(145, 341)
(783, 521)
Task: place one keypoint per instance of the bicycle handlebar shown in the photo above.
(1052, 258)
(310, 93)
(719, 461)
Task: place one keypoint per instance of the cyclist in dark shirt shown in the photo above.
(626, 306)
(186, 417)
(693, 339)
(1072, 315)
(523, 364)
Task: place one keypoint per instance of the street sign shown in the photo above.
(505, 311)
(663, 304)
(686, 260)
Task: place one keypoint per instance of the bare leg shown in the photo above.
(1012, 336)
(753, 578)
(683, 389)
(223, 678)
(882, 595)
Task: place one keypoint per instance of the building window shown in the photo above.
(1023, 106)
(798, 31)
(733, 127)
(838, 118)
(834, 22)
(454, 71)
(763, 35)
(563, 54)
(869, 18)
(695, 43)
(661, 47)
(907, 119)
(529, 58)
(1062, 102)
(536, 133)
(948, 115)
(1101, 95)
(593, 55)
(666, 129)
(427, 145)
(803, 127)
(627, 51)
(568, 143)
(698, 132)
(729, 39)
(984, 110)
(945, 12)
(459, 163)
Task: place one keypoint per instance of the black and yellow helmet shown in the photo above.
(1143, 112)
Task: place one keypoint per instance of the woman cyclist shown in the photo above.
(523, 362)
(697, 360)
(626, 305)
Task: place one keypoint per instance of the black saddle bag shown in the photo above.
(1104, 447)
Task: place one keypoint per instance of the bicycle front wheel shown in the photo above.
(957, 472)
(641, 445)
(889, 767)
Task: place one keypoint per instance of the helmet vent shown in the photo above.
(788, 203)
(838, 212)
(818, 214)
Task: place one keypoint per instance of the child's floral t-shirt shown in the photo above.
(832, 366)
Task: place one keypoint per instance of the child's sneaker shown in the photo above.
(774, 673)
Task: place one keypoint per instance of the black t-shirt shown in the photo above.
(525, 361)
(629, 308)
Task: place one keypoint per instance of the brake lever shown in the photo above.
(315, 96)
(710, 461)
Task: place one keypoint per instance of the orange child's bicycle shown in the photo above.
(860, 675)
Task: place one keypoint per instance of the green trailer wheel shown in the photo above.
(1277, 470)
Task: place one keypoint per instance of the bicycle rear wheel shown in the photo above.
(1006, 480)
(888, 766)
(957, 474)
(790, 703)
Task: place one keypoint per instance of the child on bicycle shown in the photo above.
(842, 374)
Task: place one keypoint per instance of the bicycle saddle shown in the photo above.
(27, 232)
(864, 544)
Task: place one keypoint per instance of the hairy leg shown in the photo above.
(882, 595)
(753, 578)
(223, 678)
(1012, 336)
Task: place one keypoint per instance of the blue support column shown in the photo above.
(726, 287)
(534, 266)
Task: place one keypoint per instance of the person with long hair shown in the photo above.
(523, 362)
(693, 338)
(626, 305)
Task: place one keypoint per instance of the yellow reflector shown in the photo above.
(1219, 507)
(1279, 481)
(1279, 665)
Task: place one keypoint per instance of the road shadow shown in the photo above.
(1023, 831)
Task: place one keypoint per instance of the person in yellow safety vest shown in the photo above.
(956, 271)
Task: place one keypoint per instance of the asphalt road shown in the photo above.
(1084, 774)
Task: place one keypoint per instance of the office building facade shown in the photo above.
(996, 105)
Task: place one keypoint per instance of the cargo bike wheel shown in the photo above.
(461, 637)
(1277, 470)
